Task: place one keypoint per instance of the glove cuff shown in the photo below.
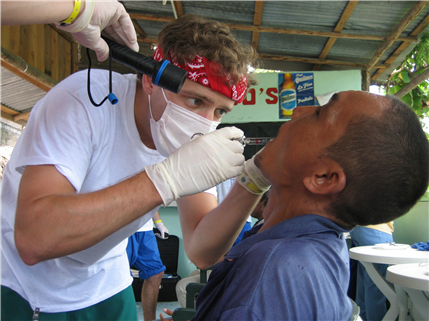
(162, 182)
(245, 181)
(82, 21)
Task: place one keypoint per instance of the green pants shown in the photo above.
(121, 306)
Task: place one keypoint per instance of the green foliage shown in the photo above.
(416, 62)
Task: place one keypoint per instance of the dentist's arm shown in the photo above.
(53, 221)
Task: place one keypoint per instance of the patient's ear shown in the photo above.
(329, 178)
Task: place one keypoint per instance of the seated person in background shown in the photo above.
(371, 301)
(143, 255)
(361, 159)
(194, 277)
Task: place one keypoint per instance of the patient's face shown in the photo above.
(300, 142)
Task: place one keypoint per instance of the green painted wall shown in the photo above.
(261, 103)
(413, 227)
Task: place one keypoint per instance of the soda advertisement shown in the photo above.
(295, 89)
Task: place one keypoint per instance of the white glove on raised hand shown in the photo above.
(198, 165)
(161, 228)
(252, 178)
(108, 16)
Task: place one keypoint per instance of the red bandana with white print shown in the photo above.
(204, 72)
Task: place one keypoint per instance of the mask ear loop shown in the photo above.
(165, 97)
(150, 107)
(111, 96)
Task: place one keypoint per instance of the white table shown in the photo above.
(370, 255)
(414, 280)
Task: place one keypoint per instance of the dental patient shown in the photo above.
(360, 159)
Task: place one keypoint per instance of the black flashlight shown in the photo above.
(163, 73)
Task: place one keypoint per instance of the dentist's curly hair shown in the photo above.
(192, 35)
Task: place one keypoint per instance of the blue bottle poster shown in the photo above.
(295, 89)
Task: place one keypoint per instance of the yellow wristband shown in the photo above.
(247, 183)
(74, 13)
(159, 221)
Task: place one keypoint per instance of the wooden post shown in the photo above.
(365, 79)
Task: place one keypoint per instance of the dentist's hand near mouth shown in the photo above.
(198, 165)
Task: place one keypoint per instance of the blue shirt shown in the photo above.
(295, 270)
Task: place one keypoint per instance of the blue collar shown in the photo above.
(290, 228)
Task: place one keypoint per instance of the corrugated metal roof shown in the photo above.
(17, 93)
(377, 18)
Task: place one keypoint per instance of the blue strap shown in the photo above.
(160, 71)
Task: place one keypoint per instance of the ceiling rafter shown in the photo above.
(257, 20)
(394, 35)
(315, 61)
(19, 67)
(415, 33)
(256, 28)
(140, 32)
(179, 8)
(252, 28)
(338, 28)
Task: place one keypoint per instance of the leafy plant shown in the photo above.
(410, 81)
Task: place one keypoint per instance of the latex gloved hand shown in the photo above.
(252, 178)
(108, 16)
(161, 228)
(198, 165)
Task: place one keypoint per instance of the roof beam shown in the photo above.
(140, 31)
(20, 68)
(257, 19)
(315, 61)
(152, 40)
(13, 115)
(394, 35)
(179, 8)
(416, 32)
(338, 28)
(282, 30)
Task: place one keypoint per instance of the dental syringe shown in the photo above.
(252, 141)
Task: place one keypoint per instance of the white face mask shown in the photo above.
(176, 127)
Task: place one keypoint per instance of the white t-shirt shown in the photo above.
(93, 148)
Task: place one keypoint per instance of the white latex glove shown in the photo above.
(162, 229)
(199, 164)
(108, 16)
(252, 178)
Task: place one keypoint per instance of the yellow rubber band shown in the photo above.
(159, 221)
(75, 12)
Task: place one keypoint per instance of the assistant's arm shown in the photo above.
(34, 12)
(159, 225)
(108, 16)
(209, 230)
